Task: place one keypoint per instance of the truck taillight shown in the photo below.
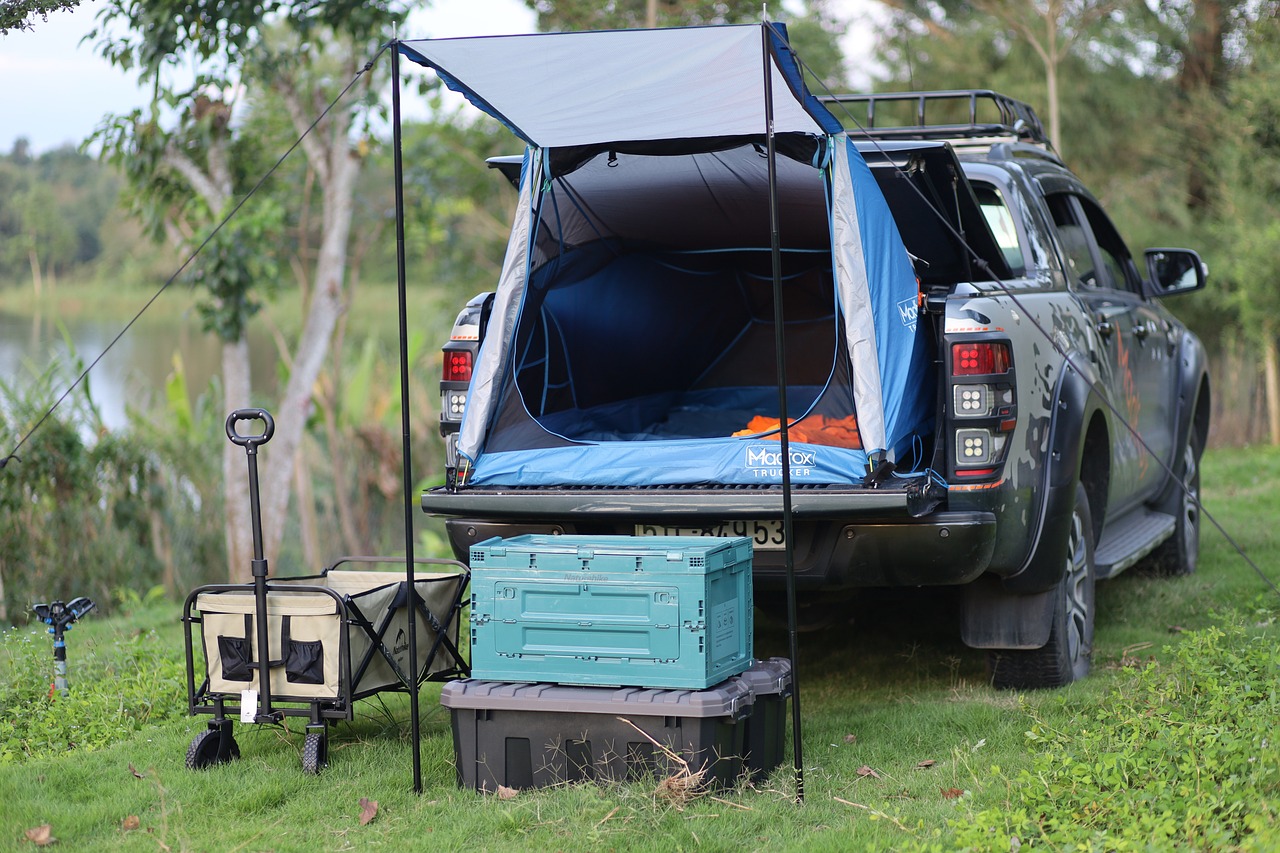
(979, 358)
(457, 366)
(455, 379)
(983, 410)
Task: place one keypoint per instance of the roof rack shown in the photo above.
(1010, 118)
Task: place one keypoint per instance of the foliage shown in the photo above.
(1147, 116)
(457, 210)
(932, 45)
(75, 497)
(186, 534)
(236, 274)
(20, 14)
(54, 212)
(355, 455)
(1249, 200)
(1184, 756)
(88, 511)
(116, 691)
(570, 15)
(813, 34)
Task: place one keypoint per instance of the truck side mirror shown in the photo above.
(1173, 271)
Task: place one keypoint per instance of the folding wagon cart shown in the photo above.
(330, 639)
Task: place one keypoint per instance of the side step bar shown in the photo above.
(1127, 540)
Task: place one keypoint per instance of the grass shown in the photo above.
(905, 747)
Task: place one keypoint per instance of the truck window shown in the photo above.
(1115, 255)
(1000, 220)
(1074, 239)
(1083, 228)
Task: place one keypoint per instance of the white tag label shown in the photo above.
(248, 705)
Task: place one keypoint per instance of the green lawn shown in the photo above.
(905, 746)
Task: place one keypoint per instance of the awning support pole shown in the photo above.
(404, 423)
(780, 347)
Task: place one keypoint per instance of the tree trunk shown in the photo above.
(162, 547)
(1271, 367)
(341, 488)
(327, 303)
(36, 281)
(307, 514)
(1051, 62)
(235, 466)
(1202, 75)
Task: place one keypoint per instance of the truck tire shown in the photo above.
(1066, 656)
(1180, 553)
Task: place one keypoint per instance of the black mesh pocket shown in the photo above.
(236, 655)
(304, 662)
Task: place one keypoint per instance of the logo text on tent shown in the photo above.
(765, 462)
(908, 310)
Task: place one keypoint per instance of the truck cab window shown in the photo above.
(1073, 236)
(1112, 250)
(1000, 220)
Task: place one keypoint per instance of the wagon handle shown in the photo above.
(265, 713)
(250, 442)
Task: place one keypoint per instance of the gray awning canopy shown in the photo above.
(569, 89)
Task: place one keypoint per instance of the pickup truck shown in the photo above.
(1066, 407)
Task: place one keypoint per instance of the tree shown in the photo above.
(188, 164)
(20, 14)
(813, 35)
(1248, 202)
(44, 234)
(1052, 28)
(569, 15)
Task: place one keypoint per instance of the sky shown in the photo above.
(55, 90)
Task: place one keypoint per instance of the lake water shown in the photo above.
(133, 373)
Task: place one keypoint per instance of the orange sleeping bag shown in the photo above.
(815, 429)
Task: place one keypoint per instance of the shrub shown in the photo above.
(83, 510)
(1184, 756)
(117, 688)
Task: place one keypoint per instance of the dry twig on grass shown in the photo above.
(875, 812)
(680, 787)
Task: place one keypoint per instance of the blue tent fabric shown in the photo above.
(902, 353)
(631, 336)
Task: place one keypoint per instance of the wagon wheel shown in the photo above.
(315, 753)
(211, 746)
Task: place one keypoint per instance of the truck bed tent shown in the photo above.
(632, 330)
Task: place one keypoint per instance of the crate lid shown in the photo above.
(768, 677)
(730, 698)
(676, 549)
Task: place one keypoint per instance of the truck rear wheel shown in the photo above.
(1066, 657)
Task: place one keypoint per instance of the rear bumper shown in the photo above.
(669, 503)
(842, 539)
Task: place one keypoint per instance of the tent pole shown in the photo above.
(780, 347)
(412, 596)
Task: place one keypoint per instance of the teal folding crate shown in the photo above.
(645, 611)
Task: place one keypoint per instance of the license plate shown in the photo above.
(767, 535)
